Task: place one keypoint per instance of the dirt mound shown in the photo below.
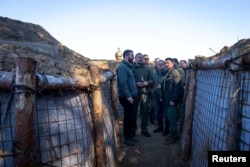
(29, 40)
(15, 30)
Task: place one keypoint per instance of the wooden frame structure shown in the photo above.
(27, 83)
(233, 60)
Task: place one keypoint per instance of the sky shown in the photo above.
(160, 28)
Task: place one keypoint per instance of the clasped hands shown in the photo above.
(142, 83)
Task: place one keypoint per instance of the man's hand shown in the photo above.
(140, 84)
(131, 100)
(145, 83)
(172, 103)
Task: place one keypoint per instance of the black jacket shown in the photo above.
(143, 73)
(171, 87)
(126, 84)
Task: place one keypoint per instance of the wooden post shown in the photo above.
(114, 103)
(233, 116)
(246, 59)
(185, 94)
(100, 153)
(24, 144)
(189, 115)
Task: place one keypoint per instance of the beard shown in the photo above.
(130, 60)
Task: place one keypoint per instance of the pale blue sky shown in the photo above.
(159, 28)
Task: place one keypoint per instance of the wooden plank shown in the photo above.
(189, 116)
(233, 114)
(48, 82)
(114, 105)
(216, 62)
(223, 61)
(100, 153)
(24, 144)
(246, 59)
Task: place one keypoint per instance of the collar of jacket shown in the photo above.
(127, 63)
(169, 70)
(138, 65)
(160, 71)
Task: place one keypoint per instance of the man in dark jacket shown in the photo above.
(152, 67)
(170, 92)
(180, 70)
(127, 93)
(144, 83)
(158, 73)
(180, 101)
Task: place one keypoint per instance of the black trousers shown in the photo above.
(161, 117)
(129, 118)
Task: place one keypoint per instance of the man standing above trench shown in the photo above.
(127, 93)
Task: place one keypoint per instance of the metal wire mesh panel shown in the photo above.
(109, 136)
(64, 136)
(210, 111)
(7, 133)
(63, 129)
(108, 126)
(245, 113)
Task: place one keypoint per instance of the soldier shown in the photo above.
(169, 95)
(118, 54)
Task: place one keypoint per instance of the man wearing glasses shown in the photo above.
(158, 73)
(151, 112)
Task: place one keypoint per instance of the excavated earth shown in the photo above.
(29, 40)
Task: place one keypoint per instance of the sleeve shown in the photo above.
(176, 87)
(150, 78)
(161, 87)
(123, 82)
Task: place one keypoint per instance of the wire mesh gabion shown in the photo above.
(244, 140)
(63, 129)
(211, 108)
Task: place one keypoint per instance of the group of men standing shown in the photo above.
(139, 84)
